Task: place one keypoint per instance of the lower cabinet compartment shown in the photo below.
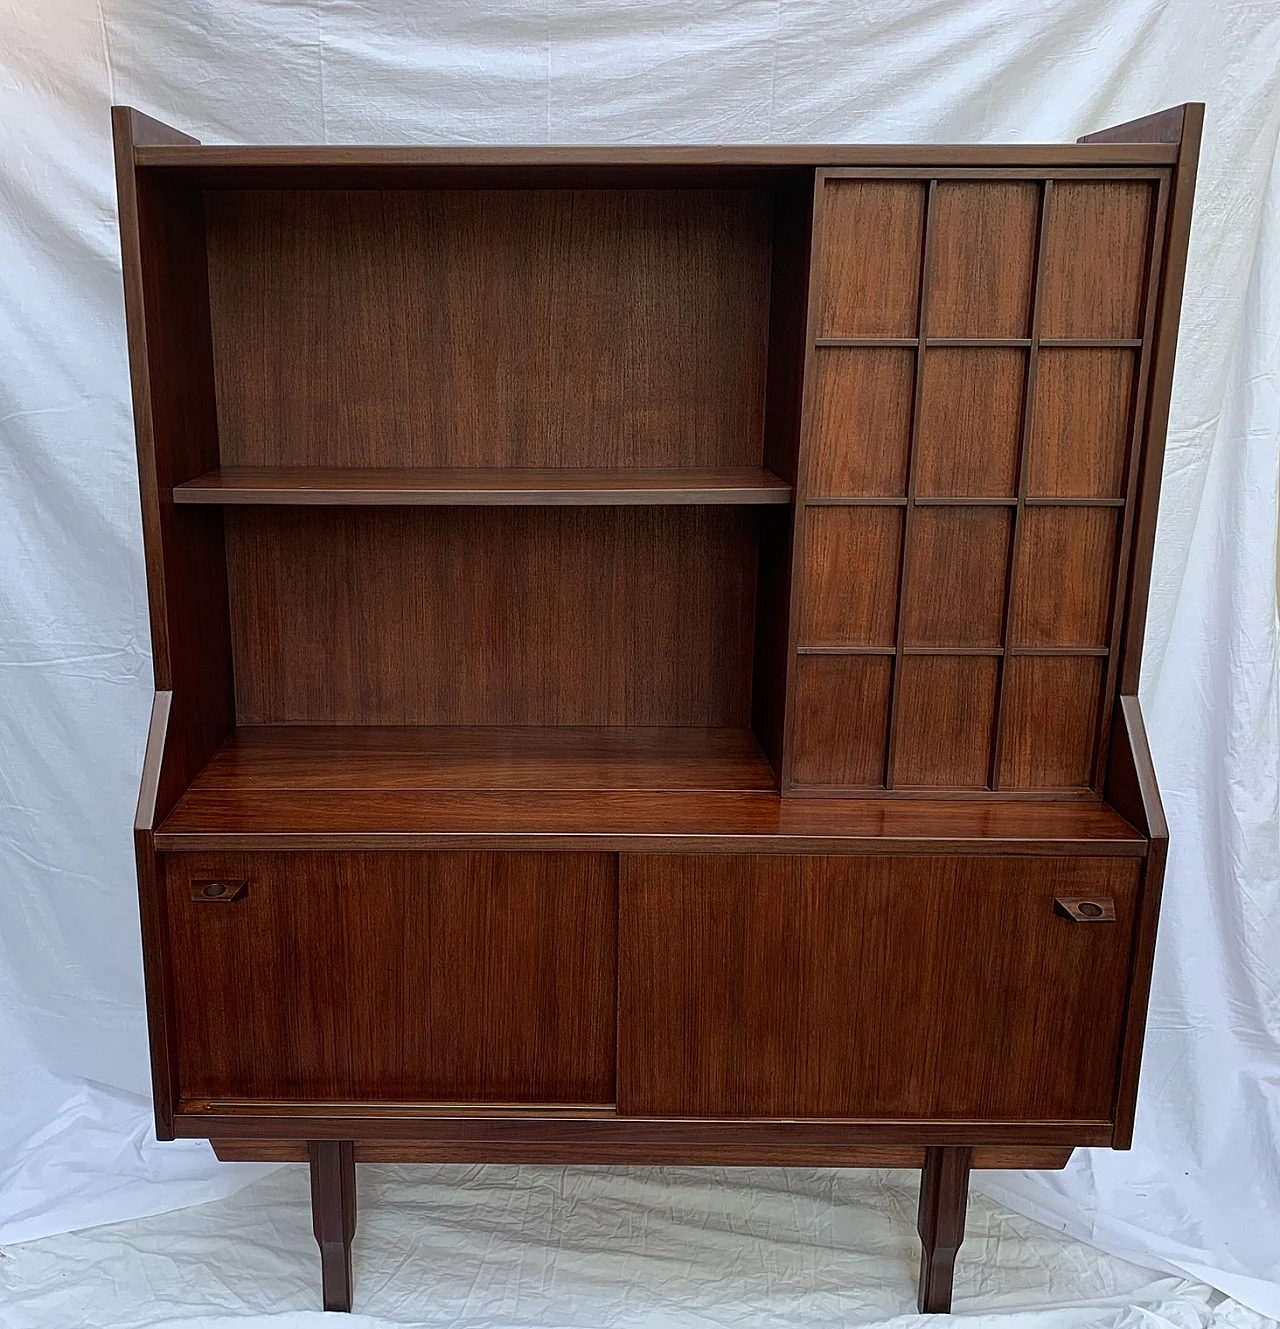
(712, 985)
(394, 977)
(936, 988)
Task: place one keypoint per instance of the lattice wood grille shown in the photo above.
(980, 345)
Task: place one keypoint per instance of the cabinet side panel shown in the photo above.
(1132, 789)
(157, 973)
(1173, 240)
(175, 419)
(162, 245)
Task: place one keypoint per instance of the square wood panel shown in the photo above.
(1066, 576)
(851, 563)
(869, 273)
(982, 257)
(841, 720)
(1050, 721)
(945, 721)
(970, 422)
(1096, 258)
(957, 576)
(861, 421)
(1083, 417)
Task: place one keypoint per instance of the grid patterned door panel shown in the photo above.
(968, 467)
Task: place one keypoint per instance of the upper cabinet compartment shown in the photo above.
(841, 446)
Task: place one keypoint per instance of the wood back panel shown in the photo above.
(838, 987)
(447, 977)
(493, 616)
(964, 504)
(490, 327)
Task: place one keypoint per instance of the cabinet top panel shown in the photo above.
(606, 165)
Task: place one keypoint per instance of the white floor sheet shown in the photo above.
(607, 1248)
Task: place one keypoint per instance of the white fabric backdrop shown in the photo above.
(1200, 1192)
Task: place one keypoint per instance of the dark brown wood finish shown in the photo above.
(261, 758)
(447, 977)
(472, 1125)
(235, 812)
(528, 487)
(1181, 126)
(483, 616)
(834, 987)
(1131, 787)
(861, 421)
(333, 1216)
(930, 432)
(645, 647)
(327, 306)
(995, 1158)
(1126, 145)
(166, 307)
(154, 921)
(784, 400)
(944, 1198)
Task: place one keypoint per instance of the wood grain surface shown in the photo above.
(560, 327)
(412, 977)
(877, 298)
(239, 810)
(837, 987)
(983, 258)
(597, 616)
(1046, 1158)
(974, 421)
(528, 486)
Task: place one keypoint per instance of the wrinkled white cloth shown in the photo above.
(580, 1248)
(1200, 1192)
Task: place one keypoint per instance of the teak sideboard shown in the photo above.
(646, 650)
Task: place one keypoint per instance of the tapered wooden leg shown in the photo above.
(333, 1216)
(944, 1196)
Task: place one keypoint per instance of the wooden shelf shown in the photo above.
(486, 757)
(522, 487)
(616, 789)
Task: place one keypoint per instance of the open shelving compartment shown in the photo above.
(482, 473)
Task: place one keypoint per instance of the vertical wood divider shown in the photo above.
(1024, 453)
(800, 490)
(1133, 458)
(908, 512)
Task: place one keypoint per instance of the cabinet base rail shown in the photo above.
(944, 1197)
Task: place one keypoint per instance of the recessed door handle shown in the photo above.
(1099, 909)
(220, 891)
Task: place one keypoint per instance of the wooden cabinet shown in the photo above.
(646, 650)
